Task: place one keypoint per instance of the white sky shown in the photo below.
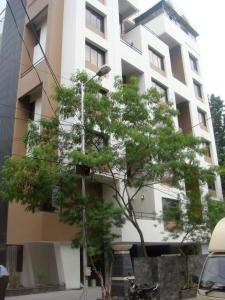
(208, 18)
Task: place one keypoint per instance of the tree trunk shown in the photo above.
(141, 238)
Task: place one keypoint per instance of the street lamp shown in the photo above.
(105, 69)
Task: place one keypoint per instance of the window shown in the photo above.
(94, 56)
(211, 186)
(207, 149)
(156, 59)
(94, 20)
(40, 36)
(161, 89)
(202, 119)
(194, 63)
(198, 89)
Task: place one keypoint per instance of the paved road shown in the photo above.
(93, 294)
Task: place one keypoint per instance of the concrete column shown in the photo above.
(122, 268)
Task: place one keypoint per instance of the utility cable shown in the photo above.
(33, 29)
(2, 12)
(28, 53)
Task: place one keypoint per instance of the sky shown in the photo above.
(208, 19)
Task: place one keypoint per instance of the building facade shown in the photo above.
(160, 48)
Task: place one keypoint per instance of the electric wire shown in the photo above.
(2, 12)
(28, 53)
(38, 41)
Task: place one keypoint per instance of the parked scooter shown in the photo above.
(144, 292)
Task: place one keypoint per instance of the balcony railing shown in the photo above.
(131, 45)
(146, 216)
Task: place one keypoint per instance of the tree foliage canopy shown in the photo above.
(130, 138)
(217, 108)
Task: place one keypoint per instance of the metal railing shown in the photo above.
(131, 46)
(145, 216)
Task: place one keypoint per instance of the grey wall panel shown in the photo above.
(9, 70)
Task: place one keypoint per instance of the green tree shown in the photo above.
(189, 227)
(130, 138)
(217, 108)
(216, 211)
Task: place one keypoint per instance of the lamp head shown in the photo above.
(105, 69)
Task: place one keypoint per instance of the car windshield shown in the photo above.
(213, 275)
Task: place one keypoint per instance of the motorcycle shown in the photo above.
(142, 292)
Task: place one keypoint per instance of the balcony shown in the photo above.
(153, 231)
(127, 8)
(169, 24)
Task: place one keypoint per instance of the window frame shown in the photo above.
(157, 60)
(194, 63)
(198, 90)
(202, 119)
(160, 87)
(92, 18)
(100, 54)
(208, 155)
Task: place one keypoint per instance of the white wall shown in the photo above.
(70, 263)
(73, 58)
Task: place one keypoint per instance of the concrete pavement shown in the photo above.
(93, 294)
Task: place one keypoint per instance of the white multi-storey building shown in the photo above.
(160, 48)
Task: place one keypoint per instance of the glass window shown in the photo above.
(211, 185)
(87, 53)
(94, 55)
(95, 20)
(156, 59)
(161, 89)
(207, 149)
(194, 63)
(213, 273)
(202, 118)
(198, 89)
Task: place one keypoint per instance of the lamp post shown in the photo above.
(105, 69)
